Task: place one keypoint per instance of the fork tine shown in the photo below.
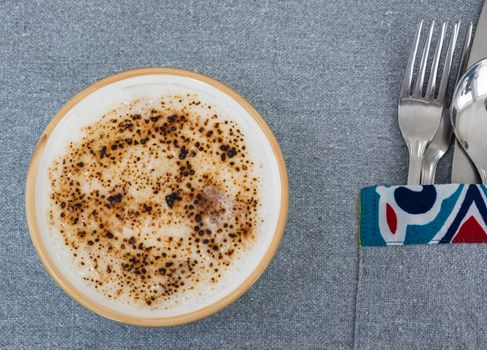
(408, 72)
(448, 61)
(465, 52)
(431, 89)
(418, 89)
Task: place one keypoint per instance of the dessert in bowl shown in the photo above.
(156, 197)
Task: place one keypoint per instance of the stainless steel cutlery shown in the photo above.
(463, 170)
(469, 115)
(442, 140)
(422, 107)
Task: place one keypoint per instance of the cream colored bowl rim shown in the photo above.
(81, 298)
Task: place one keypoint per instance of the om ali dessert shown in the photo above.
(155, 199)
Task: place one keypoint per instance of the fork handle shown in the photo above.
(416, 154)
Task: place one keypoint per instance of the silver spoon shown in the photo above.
(469, 115)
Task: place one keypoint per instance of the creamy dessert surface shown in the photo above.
(157, 198)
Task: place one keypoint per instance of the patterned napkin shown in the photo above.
(433, 214)
(419, 296)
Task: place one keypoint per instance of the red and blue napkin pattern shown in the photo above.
(433, 214)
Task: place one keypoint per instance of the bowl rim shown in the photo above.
(103, 310)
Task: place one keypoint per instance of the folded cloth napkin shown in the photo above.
(434, 214)
(422, 296)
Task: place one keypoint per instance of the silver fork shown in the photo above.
(442, 140)
(420, 114)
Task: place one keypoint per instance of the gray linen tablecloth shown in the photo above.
(326, 77)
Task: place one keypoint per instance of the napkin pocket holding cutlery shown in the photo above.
(421, 297)
(432, 214)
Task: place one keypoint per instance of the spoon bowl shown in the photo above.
(469, 115)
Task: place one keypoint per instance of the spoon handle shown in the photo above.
(483, 175)
(428, 171)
